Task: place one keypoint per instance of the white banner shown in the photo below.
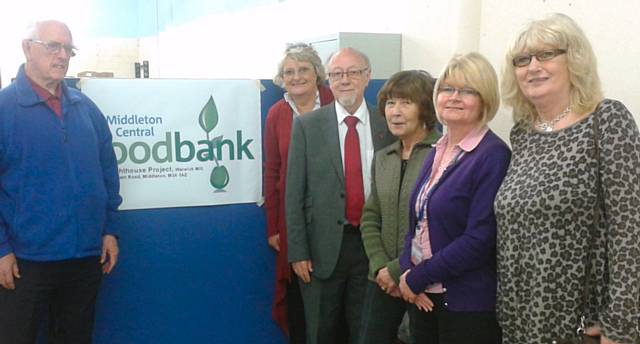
(183, 143)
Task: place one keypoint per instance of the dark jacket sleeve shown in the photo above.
(271, 176)
(295, 195)
(109, 165)
(371, 228)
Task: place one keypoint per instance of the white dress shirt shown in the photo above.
(364, 136)
(293, 106)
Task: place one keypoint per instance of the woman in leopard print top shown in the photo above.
(545, 208)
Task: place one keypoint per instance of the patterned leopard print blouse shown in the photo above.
(545, 209)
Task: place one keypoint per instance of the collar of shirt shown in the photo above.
(362, 113)
(469, 142)
(43, 93)
(428, 141)
(52, 100)
(293, 106)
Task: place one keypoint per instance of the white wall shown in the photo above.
(116, 55)
(248, 44)
(611, 26)
(105, 54)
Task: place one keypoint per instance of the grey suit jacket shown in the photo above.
(315, 192)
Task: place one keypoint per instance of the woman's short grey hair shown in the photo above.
(301, 52)
(475, 71)
(560, 32)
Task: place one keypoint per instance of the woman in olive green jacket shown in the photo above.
(406, 102)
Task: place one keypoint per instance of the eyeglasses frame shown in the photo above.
(541, 56)
(57, 46)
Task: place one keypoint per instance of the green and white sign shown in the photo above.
(182, 143)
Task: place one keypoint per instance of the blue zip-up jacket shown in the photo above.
(59, 186)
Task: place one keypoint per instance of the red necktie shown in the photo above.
(353, 172)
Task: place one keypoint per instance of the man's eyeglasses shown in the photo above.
(289, 73)
(523, 60)
(351, 74)
(55, 47)
(464, 92)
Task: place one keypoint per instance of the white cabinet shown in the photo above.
(383, 49)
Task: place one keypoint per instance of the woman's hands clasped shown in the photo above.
(422, 301)
(386, 283)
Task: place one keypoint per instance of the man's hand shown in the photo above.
(274, 242)
(8, 270)
(109, 257)
(302, 269)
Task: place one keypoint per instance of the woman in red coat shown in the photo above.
(301, 74)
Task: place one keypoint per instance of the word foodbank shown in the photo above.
(173, 148)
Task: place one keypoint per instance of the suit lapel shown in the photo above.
(332, 141)
(378, 129)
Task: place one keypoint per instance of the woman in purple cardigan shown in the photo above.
(450, 248)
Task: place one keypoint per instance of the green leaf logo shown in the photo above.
(219, 177)
(209, 116)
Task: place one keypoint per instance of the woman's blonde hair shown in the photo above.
(475, 71)
(560, 32)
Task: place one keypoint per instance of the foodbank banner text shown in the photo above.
(183, 143)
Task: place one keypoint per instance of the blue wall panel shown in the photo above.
(190, 275)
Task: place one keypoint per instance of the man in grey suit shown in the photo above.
(328, 178)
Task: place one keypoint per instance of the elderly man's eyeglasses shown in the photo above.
(351, 74)
(465, 92)
(55, 47)
(523, 60)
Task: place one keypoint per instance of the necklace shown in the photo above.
(547, 126)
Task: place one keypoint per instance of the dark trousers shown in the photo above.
(66, 290)
(381, 316)
(331, 303)
(295, 313)
(441, 326)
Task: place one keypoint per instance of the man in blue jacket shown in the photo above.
(59, 195)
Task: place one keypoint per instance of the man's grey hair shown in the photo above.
(33, 29)
(362, 55)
